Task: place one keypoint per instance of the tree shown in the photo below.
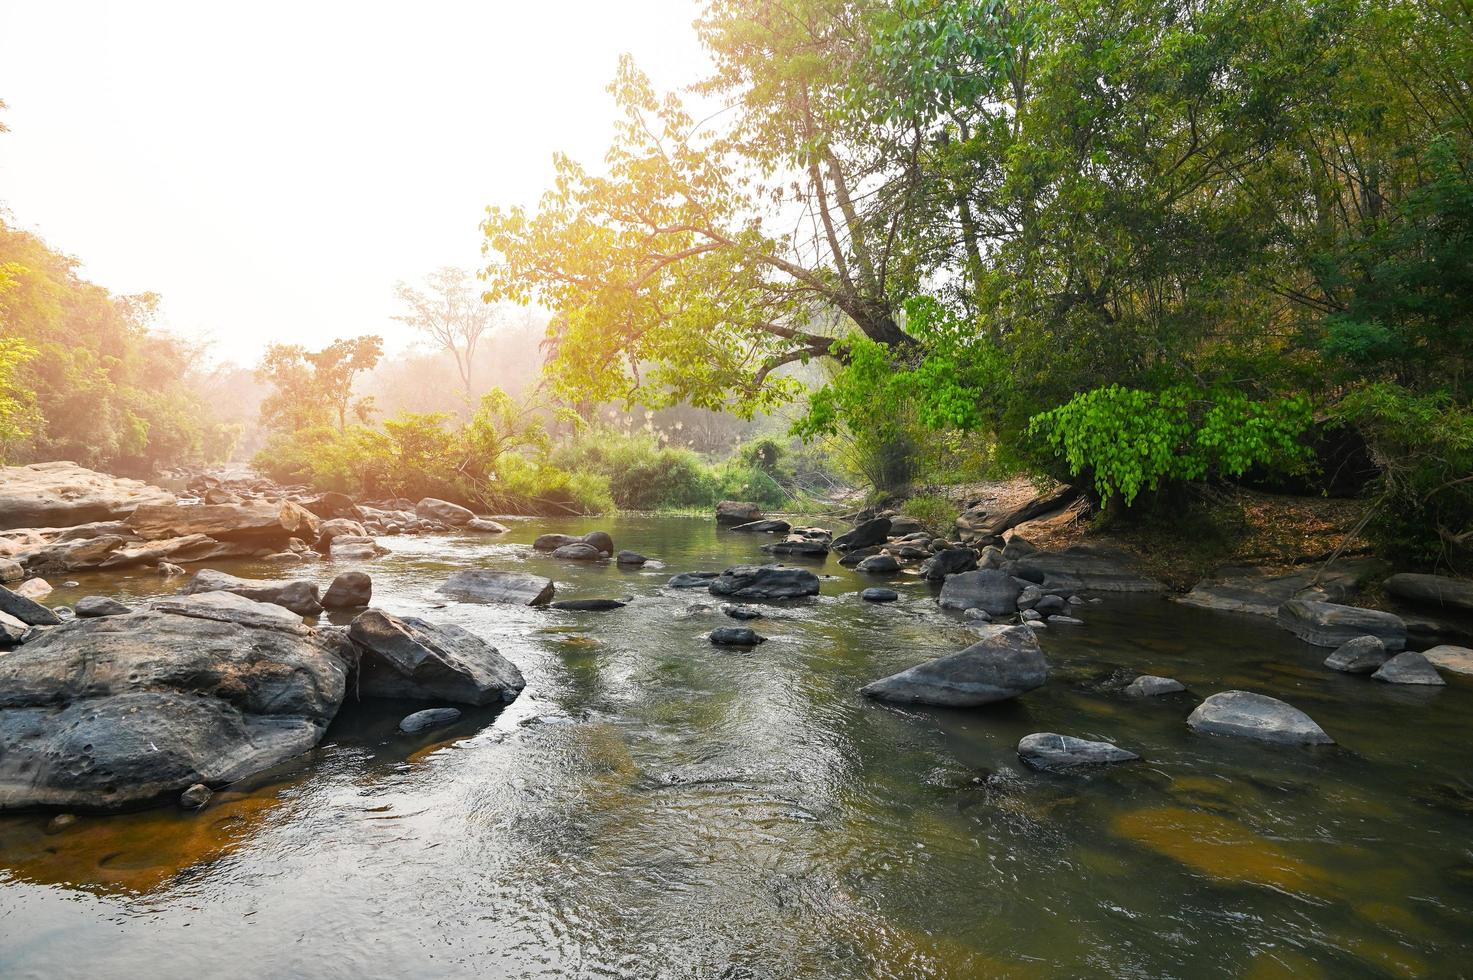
(314, 388)
(453, 316)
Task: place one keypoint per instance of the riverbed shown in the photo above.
(654, 806)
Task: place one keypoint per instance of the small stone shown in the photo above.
(740, 636)
(978, 615)
(1409, 668)
(195, 797)
(630, 558)
(33, 588)
(95, 606)
(1036, 624)
(1050, 604)
(1150, 686)
(1075, 600)
(170, 570)
(485, 526)
(1362, 655)
(740, 612)
(349, 590)
(1052, 752)
(1457, 660)
(10, 571)
(428, 718)
(60, 822)
(1031, 615)
(879, 595)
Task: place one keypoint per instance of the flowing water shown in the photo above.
(653, 806)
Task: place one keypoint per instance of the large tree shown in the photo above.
(314, 388)
(449, 311)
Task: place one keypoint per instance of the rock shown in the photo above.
(902, 525)
(338, 527)
(993, 591)
(1031, 616)
(811, 541)
(736, 512)
(736, 636)
(25, 609)
(428, 718)
(949, 561)
(167, 570)
(1458, 660)
(692, 580)
(300, 596)
(864, 535)
(486, 526)
(1248, 715)
(189, 547)
(764, 582)
(1432, 590)
(258, 523)
(63, 494)
(95, 606)
(410, 658)
(589, 605)
(981, 521)
(978, 615)
(34, 588)
(600, 540)
(1259, 592)
(1029, 597)
(1409, 668)
(227, 607)
(740, 612)
(879, 565)
(1083, 568)
(853, 558)
(12, 631)
(60, 822)
(1048, 605)
(1051, 752)
(578, 551)
(10, 571)
(1005, 663)
(1150, 686)
(552, 542)
(1361, 655)
(195, 797)
(351, 548)
(332, 505)
(1058, 620)
(434, 509)
(348, 591)
(630, 558)
(772, 526)
(120, 711)
(1326, 624)
(490, 585)
(879, 595)
(284, 558)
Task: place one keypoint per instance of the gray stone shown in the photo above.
(980, 615)
(988, 589)
(12, 631)
(1432, 590)
(764, 582)
(227, 607)
(485, 526)
(410, 658)
(578, 551)
(1150, 686)
(588, 605)
(28, 611)
(300, 596)
(1058, 620)
(93, 606)
(1455, 659)
(349, 591)
(1326, 624)
(630, 558)
(1362, 655)
(879, 565)
(948, 561)
(1031, 616)
(195, 797)
(1248, 715)
(1005, 663)
(879, 595)
(1083, 568)
(1030, 596)
(772, 526)
(1051, 752)
(434, 509)
(600, 540)
(864, 535)
(1409, 668)
(736, 636)
(552, 542)
(429, 718)
(692, 580)
(492, 585)
(1050, 604)
(1261, 592)
(740, 612)
(10, 571)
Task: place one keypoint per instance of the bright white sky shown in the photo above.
(273, 168)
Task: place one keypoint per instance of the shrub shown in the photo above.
(937, 513)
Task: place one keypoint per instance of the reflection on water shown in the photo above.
(653, 806)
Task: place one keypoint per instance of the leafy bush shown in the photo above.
(642, 474)
(937, 513)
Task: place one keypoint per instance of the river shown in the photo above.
(654, 806)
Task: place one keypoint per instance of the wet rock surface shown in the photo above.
(414, 659)
(1362, 655)
(300, 596)
(1328, 624)
(764, 582)
(1409, 668)
(1247, 715)
(1051, 752)
(493, 585)
(1006, 663)
(63, 494)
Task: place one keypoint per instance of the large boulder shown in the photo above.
(872, 532)
(1362, 655)
(493, 585)
(1432, 590)
(349, 591)
(737, 512)
(764, 582)
(124, 710)
(1051, 752)
(987, 589)
(1248, 715)
(1327, 624)
(410, 658)
(261, 523)
(986, 518)
(63, 494)
(600, 540)
(25, 609)
(300, 595)
(769, 526)
(333, 505)
(948, 561)
(1005, 663)
(227, 607)
(579, 551)
(1082, 568)
(552, 542)
(434, 509)
(1409, 668)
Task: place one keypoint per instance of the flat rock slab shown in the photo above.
(300, 595)
(493, 585)
(1432, 590)
(1150, 686)
(763, 527)
(124, 710)
(995, 592)
(1258, 592)
(1409, 668)
(1051, 752)
(764, 582)
(1247, 715)
(1454, 659)
(228, 607)
(63, 494)
(1086, 569)
(411, 658)
(1327, 624)
(692, 580)
(1005, 663)
(259, 522)
(579, 551)
(96, 606)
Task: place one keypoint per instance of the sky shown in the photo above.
(273, 169)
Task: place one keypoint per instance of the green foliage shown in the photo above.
(937, 513)
(1127, 440)
(643, 474)
(16, 402)
(311, 388)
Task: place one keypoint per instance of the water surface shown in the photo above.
(656, 807)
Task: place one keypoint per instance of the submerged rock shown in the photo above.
(410, 658)
(879, 595)
(630, 558)
(1327, 624)
(492, 585)
(349, 591)
(95, 606)
(1005, 663)
(429, 718)
(736, 636)
(1150, 686)
(1085, 568)
(992, 591)
(1248, 715)
(589, 605)
(434, 509)
(1409, 668)
(692, 580)
(300, 596)
(1051, 752)
(1361, 655)
(1458, 660)
(740, 612)
(764, 582)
